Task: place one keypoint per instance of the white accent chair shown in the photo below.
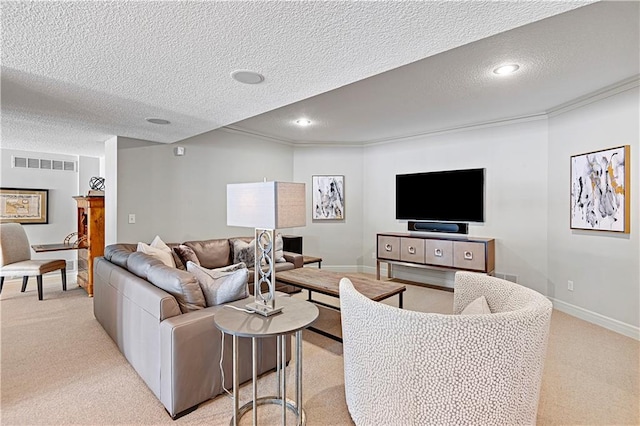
(15, 259)
(412, 368)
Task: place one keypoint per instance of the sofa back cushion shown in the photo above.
(180, 284)
(119, 253)
(138, 263)
(211, 253)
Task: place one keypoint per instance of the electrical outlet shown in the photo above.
(132, 218)
(570, 285)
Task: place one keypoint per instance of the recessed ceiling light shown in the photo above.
(303, 122)
(247, 77)
(506, 69)
(157, 120)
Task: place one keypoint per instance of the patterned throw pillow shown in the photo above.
(221, 285)
(186, 254)
(244, 252)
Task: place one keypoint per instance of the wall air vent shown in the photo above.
(43, 164)
(19, 162)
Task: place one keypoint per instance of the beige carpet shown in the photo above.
(59, 367)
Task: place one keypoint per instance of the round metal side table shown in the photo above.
(296, 315)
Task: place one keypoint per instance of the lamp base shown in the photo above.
(264, 310)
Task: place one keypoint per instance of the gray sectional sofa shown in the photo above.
(154, 315)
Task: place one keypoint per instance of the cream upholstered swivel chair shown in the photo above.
(413, 368)
(15, 258)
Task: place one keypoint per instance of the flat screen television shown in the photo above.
(448, 196)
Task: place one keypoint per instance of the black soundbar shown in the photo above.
(448, 227)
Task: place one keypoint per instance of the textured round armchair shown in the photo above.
(15, 259)
(412, 368)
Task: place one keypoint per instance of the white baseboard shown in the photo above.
(576, 311)
(597, 319)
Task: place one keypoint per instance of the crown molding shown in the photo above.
(603, 93)
(258, 135)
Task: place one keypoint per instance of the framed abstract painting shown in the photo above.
(327, 197)
(600, 190)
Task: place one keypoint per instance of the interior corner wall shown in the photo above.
(111, 190)
(603, 266)
(183, 198)
(515, 158)
(338, 242)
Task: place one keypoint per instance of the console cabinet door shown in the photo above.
(468, 255)
(388, 247)
(412, 250)
(439, 252)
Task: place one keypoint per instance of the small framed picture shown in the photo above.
(600, 190)
(327, 197)
(26, 206)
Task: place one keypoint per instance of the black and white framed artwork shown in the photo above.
(328, 197)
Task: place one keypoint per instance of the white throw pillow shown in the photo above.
(222, 285)
(478, 307)
(278, 255)
(159, 250)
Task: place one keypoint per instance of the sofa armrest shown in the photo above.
(190, 346)
(295, 258)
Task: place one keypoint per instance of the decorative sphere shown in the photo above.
(96, 183)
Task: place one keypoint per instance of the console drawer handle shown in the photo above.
(468, 255)
(387, 247)
(412, 250)
(437, 252)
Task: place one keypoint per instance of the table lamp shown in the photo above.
(265, 206)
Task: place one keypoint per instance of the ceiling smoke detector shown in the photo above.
(247, 77)
(157, 120)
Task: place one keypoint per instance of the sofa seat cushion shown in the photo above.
(221, 285)
(180, 284)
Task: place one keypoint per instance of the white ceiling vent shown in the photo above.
(43, 163)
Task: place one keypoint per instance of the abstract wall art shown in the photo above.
(327, 197)
(600, 193)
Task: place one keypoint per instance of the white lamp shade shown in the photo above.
(266, 205)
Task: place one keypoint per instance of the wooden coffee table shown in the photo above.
(328, 283)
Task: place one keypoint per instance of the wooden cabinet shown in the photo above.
(91, 236)
(444, 253)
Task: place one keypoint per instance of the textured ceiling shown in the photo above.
(562, 58)
(76, 73)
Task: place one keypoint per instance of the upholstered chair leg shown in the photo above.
(1, 283)
(24, 283)
(39, 278)
(63, 271)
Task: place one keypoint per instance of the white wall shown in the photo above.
(603, 266)
(62, 186)
(184, 198)
(515, 159)
(339, 243)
